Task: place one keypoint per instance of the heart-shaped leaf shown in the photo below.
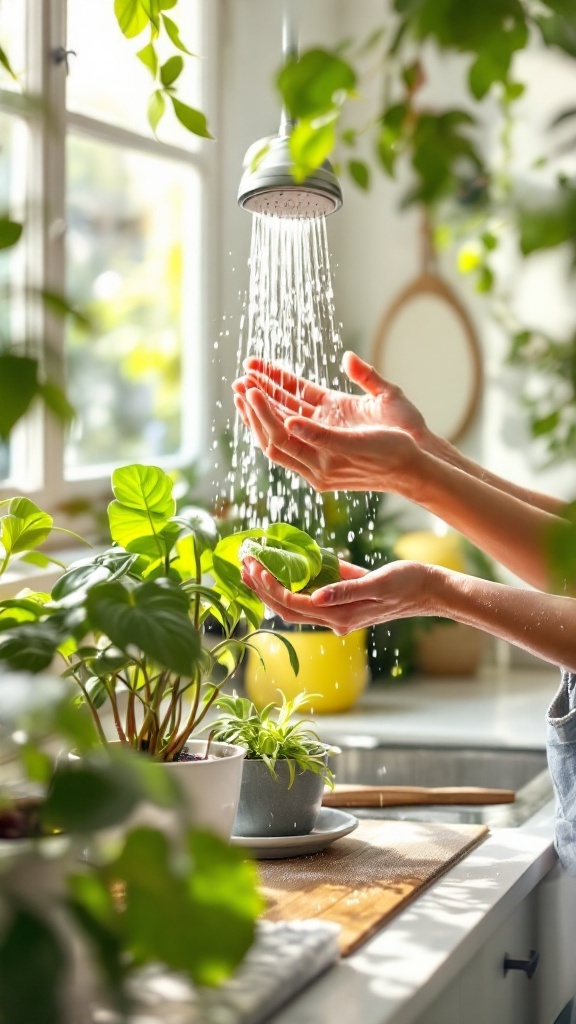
(153, 617)
(25, 526)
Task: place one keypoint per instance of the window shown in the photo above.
(115, 221)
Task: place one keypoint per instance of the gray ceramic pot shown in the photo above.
(268, 808)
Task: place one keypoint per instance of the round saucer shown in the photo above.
(332, 824)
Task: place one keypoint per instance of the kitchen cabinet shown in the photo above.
(483, 993)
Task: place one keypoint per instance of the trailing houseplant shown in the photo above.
(286, 765)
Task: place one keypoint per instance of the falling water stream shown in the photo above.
(288, 319)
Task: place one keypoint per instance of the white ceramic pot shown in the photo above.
(211, 791)
(211, 788)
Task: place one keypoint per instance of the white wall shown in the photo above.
(374, 244)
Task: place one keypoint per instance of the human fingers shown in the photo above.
(300, 386)
(290, 607)
(282, 458)
(363, 374)
(348, 591)
(241, 407)
(290, 400)
(349, 571)
(270, 422)
(255, 424)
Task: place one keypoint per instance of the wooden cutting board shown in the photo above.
(364, 879)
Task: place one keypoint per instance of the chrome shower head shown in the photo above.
(268, 186)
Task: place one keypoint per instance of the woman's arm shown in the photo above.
(447, 453)
(543, 624)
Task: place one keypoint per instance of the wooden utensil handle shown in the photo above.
(395, 796)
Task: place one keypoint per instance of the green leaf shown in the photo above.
(310, 146)
(143, 505)
(149, 58)
(174, 33)
(315, 83)
(80, 576)
(200, 524)
(229, 583)
(6, 64)
(101, 790)
(24, 527)
(559, 30)
(131, 16)
(440, 153)
(544, 227)
(360, 173)
(329, 572)
(171, 70)
(55, 400)
(31, 646)
(219, 894)
(290, 538)
(18, 387)
(290, 568)
(29, 948)
(193, 120)
(62, 307)
(156, 108)
(153, 617)
(292, 656)
(10, 232)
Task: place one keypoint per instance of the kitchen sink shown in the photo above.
(369, 761)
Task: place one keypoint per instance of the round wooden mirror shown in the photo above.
(426, 343)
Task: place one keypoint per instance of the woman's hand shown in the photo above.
(361, 599)
(334, 440)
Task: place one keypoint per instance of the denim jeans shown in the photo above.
(561, 750)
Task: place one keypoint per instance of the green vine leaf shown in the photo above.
(10, 232)
(149, 58)
(193, 120)
(18, 387)
(6, 64)
(171, 70)
(174, 34)
(360, 173)
(131, 17)
(316, 84)
(156, 108)
(310, 146)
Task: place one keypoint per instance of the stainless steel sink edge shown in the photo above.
(374, 762)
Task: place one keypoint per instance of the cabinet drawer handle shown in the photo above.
(528, 966)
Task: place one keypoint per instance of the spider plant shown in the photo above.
(272, 734)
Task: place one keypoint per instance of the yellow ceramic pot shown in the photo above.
(334, 666)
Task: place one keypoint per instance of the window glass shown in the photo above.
(13, 40)
(131, 263)
(13, 142)
(108, 82)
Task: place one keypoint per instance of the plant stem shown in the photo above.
(198, 581)
(116, 714)
(93, 712)
(176, 744)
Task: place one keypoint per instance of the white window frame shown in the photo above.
(38, 442)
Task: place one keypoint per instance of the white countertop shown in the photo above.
(395, 975)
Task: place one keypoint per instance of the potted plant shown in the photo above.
(127, 627)
(66, 942)
(285, 770)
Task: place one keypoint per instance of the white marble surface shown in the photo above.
(407, 964)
